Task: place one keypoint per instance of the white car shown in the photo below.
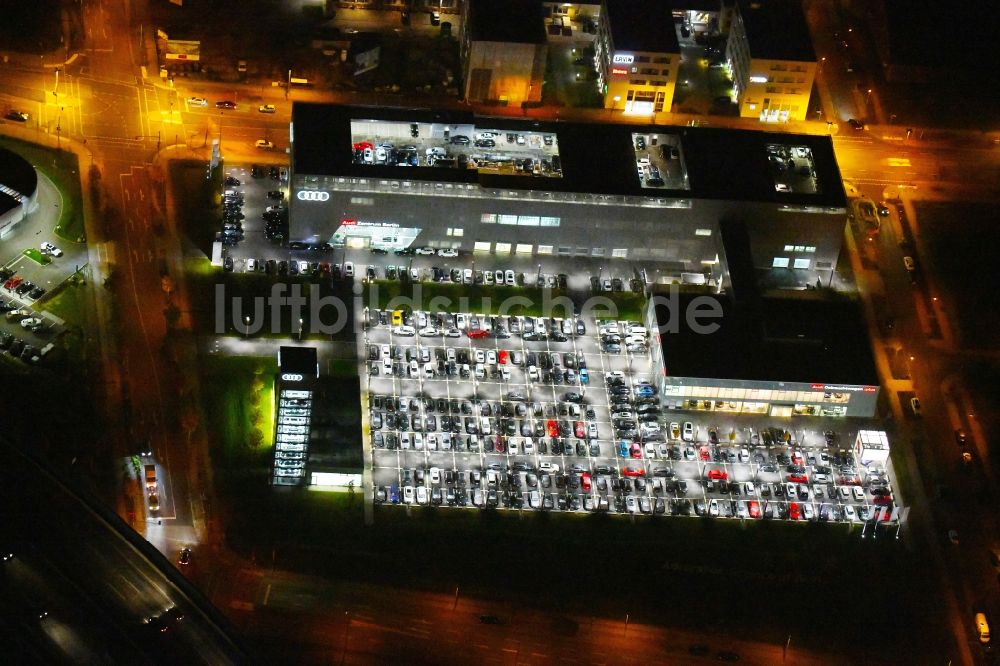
(447, 252)
(435, 475)
(688, 433)
(592, 430)
(49, 248)
(421, 495)
(480, 356)
(348, 269)
(197, 101)
(408, 495)
(404, 331)
(713, 508)
(849, 513)
(807, 511)
(491, 357)
(650, 450)
(859, 493)
(31, 322)
(264, 144)
(266, 108)
(467, 276)
(510, 278)
(514, 446)
(529, 446)
(425, 251)
(548, 468)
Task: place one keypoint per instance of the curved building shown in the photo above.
(18, 190)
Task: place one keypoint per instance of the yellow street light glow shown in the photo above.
(898, 161)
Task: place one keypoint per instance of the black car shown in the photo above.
(485, 143)
(225, 104)
(274, 173)
(227, 264)
(257, 171)
(17, 116)
(36, 293)
(232, 182)
(460, 140)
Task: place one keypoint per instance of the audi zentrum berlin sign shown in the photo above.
(312, 195)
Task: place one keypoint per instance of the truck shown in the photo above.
(150, 477)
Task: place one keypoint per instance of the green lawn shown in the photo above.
(63, 169)
(241, 409)
(37, 256)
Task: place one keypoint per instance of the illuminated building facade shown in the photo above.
(637, 55)
(503, 51)
(771, 60)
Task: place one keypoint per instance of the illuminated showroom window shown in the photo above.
(482, 246)
(801, 263)
(780, 262)
(503, 248)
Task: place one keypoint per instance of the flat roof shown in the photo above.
(791, 339)
(595, 158)
(642, 25)
(516, 21)
(777, 30)
(298, 360)
(17, 173)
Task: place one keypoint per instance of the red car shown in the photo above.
(717, 474)
(882, 500)
(585, 481)
(628, 471)
(475, 335)
(754, 507)
(798, 478)
(552, 428)
(11, 284)
(635, 451)
(500, 446)
(796, 458)
(793, 511)
(703, 453)
(361, 145)
(579, 429)
(503, 357)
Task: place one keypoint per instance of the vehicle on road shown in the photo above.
(50, 249)
(198, 101)
(266, 108)
(264, 144)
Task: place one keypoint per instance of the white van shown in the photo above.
(637, 330)
(480, 371)
(251, 265)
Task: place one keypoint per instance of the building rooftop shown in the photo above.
(16, 175)
(642, 25)
(777, 30)
(516, 21)
(797, 339)
(299, 361)
(595, 158)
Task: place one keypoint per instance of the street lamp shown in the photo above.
(246, 320)
(300, 329)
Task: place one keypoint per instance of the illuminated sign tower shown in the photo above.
(298, 371)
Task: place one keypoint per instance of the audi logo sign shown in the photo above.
(312, 195)
(290, 377)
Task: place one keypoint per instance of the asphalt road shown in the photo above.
(96, 586)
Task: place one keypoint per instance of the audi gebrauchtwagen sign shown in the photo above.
(312, 195)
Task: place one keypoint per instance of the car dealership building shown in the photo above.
(396, 178)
